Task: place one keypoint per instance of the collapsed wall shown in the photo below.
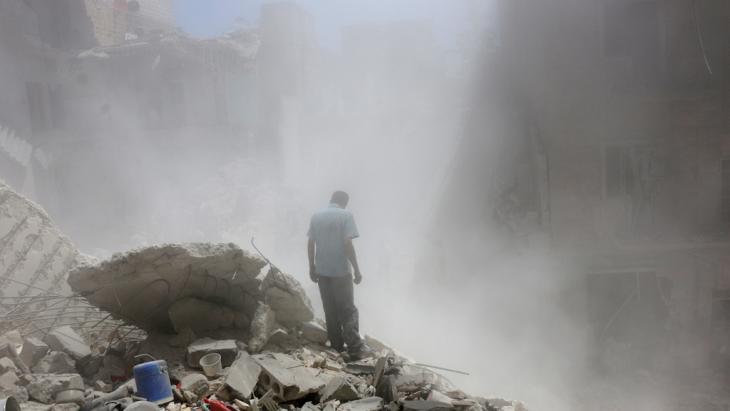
(35, 258)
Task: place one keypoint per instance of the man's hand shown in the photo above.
(313, 274)
(358, 277)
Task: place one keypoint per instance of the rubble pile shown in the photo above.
(35, 258)
(197, 302)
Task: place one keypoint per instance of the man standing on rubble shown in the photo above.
(331, 253)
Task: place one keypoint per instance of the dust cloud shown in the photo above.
(417, 127)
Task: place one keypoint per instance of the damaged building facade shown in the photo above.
(613, 147)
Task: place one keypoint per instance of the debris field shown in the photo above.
(189, 303)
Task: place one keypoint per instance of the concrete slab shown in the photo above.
(243, 376)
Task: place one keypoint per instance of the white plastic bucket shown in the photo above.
(211, 364)
(9, 404)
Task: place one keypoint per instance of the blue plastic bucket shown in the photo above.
(153, 382)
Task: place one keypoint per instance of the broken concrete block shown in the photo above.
(262, 326)
(310, 407)
(47, 387)
(287, 377)
(365, 404)
(215, 272)
(36, 406)
(143, 406)
(67, 340)
(6, 364)
(14, 338)
(413, 375)
(226, 348)
(439, 397)
(285, 295)
(102, 386)
(195, 383)
(33, 350)
(243, 376)
(10, 386)
(7, 349)
(65, 407)
(339, 388)
(386, 389)
(55, 362)
(425, 405)
(314, 333)
(283, 340)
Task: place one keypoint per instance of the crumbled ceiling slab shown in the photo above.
(141, 286)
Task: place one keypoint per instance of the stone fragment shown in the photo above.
(439, 397)
(14, 338)
(33, 350)
(7, 349)
(6, 364)
(10, 386)
(35, 406)
(386, 389)
(362, 367)
(102, 386)
(310, 407)
(195, 383)
(262, 326)
(413, 375)
(67, 340)
(55, 362)
(47, 387)
(65, 407)
(339, 388)
(223, 273)
(226, 348)
(286, 297)
(331, 406)
(143, 406)
(243, 376)
(365, 404)
(314, 333)
(426, 405)
(282, 340)
(8, 379)
(287, 377)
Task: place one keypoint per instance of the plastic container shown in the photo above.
(153, 381)
(9, 404)
(211, 364)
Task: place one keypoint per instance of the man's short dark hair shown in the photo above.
(340, 198)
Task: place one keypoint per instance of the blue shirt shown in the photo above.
(329, 228)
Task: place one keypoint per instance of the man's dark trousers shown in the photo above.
(340, 312)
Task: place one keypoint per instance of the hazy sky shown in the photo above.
(211, 18)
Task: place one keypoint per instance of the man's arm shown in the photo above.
(310, 254)
(352, 257)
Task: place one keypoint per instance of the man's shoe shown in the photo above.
(361, 353)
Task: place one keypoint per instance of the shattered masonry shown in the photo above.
(179, 302)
